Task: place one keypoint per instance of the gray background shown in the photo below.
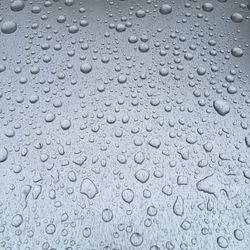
(148, 150)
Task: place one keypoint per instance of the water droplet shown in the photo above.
(222, 107)
(142, 175)
(8, 27)
(17, 220)
(107, 215)
(237, 17)
(208, 7)
(222, 242)
(3, 154)
(86, 68)
(237, 52)
(165, 9)
(136, 239)
(17, 5)
(65, 124)
(127, 195)
(88, 188)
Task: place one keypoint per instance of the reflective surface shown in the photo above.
(124, 124)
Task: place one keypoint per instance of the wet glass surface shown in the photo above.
(124, 124)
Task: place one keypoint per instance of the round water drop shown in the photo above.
(143, 48)
(127, 195)
(17, 220)
(86, 232)
(139, 157)
(163, 72)
(36, 9)
(61, 19)
(165, 9)
(9, 27)
(34, 98)
(237, 52)
(142, 175)
(237, 17)
(208, 7)
(65, 124)
(73, 29)
(69, 2)
(86, 68)
(169, 245)
(133, 39)
(107, 215)
(17, 5)
(122, 79)
(167, 190)
(3, 154)
(140, 13)
(34, 70)
(201, 71)
(232, 90)
(84, 23)
(49, 117)
(136, 239)
(222, 242)
(50, 229)
(238, 234)
(120, 27)
(152, 211)
(2, 68)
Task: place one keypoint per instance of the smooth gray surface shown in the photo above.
(124, 124)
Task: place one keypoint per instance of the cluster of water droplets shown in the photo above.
(124, 124)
